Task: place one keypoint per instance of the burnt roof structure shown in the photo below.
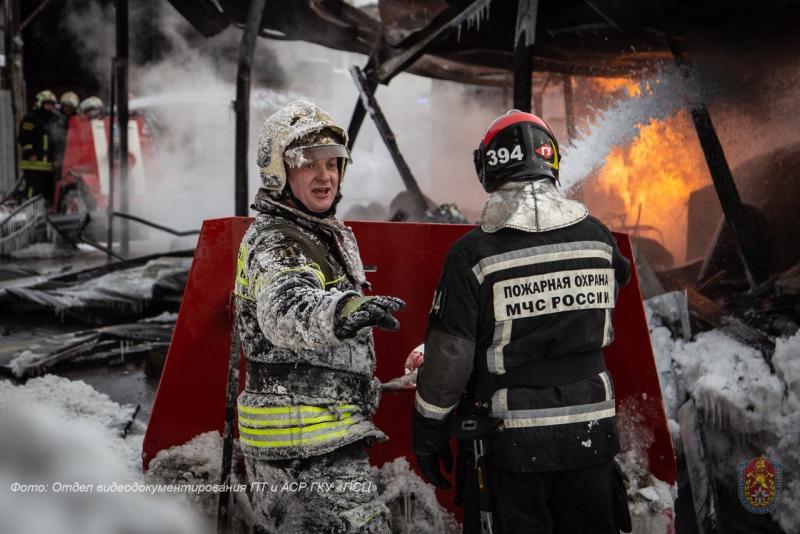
(581, 37)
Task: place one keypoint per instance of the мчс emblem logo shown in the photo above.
(759, 485)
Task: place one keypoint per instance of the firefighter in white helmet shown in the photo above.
(69, 104)
(305, 413)
(91, 107)
(68, 107)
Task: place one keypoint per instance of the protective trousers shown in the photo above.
(333, 493)
(589, 500)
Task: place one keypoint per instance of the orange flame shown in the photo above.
(612, 85)
(658, 171)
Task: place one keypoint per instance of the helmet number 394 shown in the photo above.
(502, 155)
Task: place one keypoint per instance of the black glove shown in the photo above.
(358, 312)
(431, 443)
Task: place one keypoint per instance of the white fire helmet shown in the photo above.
(91, 107)
(70, 99)
(295, 134)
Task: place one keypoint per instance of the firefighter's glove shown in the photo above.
(360, 312)
(431, 443)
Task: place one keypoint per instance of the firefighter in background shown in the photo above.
(305, 325)
(35, 139)
(68, 108)
(91, 108)
(514, 365)
(69, 104)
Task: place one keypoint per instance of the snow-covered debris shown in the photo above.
(127, 290)
(65, 469)
(196, 462)
(44, 250)
(651, 501)
(412, 502)
(748, 410)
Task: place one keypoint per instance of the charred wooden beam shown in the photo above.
(242, 104)
(429, 36)
(569, 108)
(371, 105)
(413, 47)
(359, 112)
(731, 203)
(524, 39)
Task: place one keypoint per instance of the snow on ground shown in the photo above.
(412, 501)
(748, 411)
(64, 467)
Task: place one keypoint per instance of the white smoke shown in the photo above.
(187, 97)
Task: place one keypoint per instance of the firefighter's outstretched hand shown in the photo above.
(361, 312)
(431, 444)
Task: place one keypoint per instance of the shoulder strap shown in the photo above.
(313, 250)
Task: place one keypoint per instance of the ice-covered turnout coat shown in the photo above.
(307, 392)
(525, 301)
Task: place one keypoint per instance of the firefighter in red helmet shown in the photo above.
(514, 366)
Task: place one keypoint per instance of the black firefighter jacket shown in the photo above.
(525, 303)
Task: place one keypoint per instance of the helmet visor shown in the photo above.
(295, 157)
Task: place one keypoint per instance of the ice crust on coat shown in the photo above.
(293, 316)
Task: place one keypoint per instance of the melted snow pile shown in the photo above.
(63, 465)
(748, 410)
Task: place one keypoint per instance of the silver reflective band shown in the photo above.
(542, 254)
(494, 354)
(431, 411)
(557, 416)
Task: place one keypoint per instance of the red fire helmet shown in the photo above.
(517, 146)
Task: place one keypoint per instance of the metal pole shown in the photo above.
(524, 39)
(242, 103)
(122, 111)
(111, 117)
(371, 105)
(731, 203)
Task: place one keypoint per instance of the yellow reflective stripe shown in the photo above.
(294, 442)
(241, 266)
(28, 126)
(45, 142)
(295, 409)
(309, 267)
(295, 430)
(335, 281)
(294, 421)
(27, 147)
(28, 165)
